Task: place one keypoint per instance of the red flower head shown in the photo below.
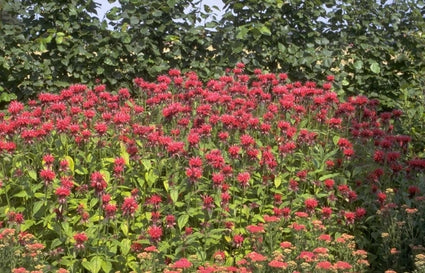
(310, 204)
(208, 202)
(62, 193)
(155, 233)
(129, 206)
(98, 182)
(80, 239)
(110, 210)
(238, 240)
(47, 175)
(170, 221)
(243, 179)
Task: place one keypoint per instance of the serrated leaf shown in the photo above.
(335, 139)
(21, 194)
(32, 174)
(174, 195)
(277, 181)
(37, 206)
(96, 262)
(107, 266)
(125, 246)
(124, 228)
(182, 221)
(27, 224)
(87, 265)
(124, 154)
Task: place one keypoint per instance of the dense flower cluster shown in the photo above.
(241, 173)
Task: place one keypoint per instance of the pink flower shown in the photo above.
(278, 264)
(182, 263)
(256, 257)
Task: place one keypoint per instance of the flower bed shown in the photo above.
(246, 173)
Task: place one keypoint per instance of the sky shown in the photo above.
(105, 6)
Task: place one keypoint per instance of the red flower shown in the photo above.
(15, 217)
(15, 107)
(80, 239)
(255, 229)
(155, 233)
(326, 212)
(238, 240)
(310, 204)
(208, 202)
(110, 210)
(271, 219)
(325, 237)
(170, 221)
(129, 206)
(98, 182)
(154, 200)
(48, 159)
(247, 140)
(413, 191)
(243, 179)
(47, 175)
(349, 217)
(62, 193)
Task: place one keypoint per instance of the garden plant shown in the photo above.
(247, 172)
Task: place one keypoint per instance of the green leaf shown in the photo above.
(124, 154)
(21, 194)
(27, 224)
(166, 185)
(37, 206)
(124, 228)
(96, 262)
(374, 67)
(265, 30)
(174, 195)
(32, 174)
(59, 37)
(277, 181)
(327, 176)
(243, 31)
(87, 265)
(107, 266)
(125, 246)
(182, 221)
(358, 65)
